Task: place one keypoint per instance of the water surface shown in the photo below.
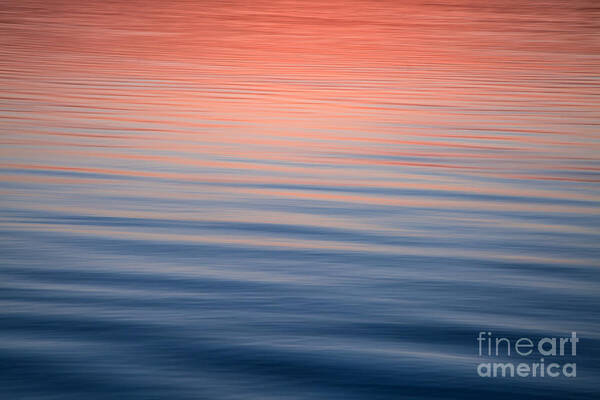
(295, 200)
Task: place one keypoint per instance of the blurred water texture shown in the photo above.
(295, 200)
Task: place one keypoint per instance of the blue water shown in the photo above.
(296, 200)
